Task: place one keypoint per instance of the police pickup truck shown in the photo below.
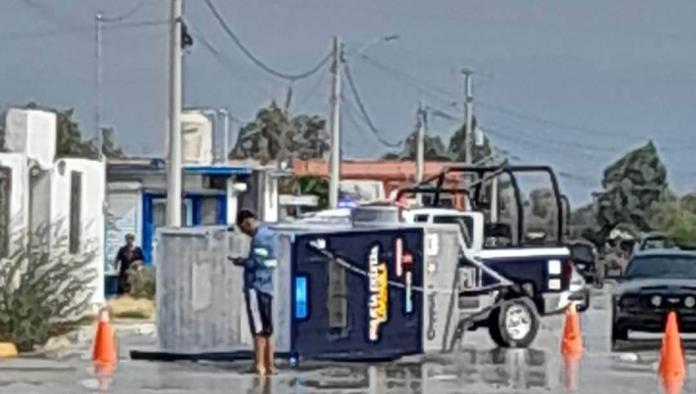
(507, 280)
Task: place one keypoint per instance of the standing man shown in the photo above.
(258, 288)
(127, 255)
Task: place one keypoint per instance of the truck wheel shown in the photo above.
(514, 324)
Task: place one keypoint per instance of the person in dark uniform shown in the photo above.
(258, 288)
(126, 257)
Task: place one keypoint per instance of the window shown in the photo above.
(466, 225)
(5, 196)
(75, 208)
(421, 218)
(159, 214)
(209, 211)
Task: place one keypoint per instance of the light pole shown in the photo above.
(335, 115)
(379, 40)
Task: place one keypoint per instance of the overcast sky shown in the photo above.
(571, 84)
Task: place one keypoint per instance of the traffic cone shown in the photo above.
(571, 345)
(104, 351)
(672, 367)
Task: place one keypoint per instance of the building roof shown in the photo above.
(156, 166)
(370, 169)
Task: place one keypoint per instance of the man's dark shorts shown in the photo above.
(260, 312)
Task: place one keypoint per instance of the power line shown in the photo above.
(444, 96)
(420, 86)
(48, 33)
(254, 58)
(363, 110)
(223, 60)
(127, 15)
(312, 91)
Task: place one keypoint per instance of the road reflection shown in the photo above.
(489, 370)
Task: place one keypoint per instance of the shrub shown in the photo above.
(45, 292)
(142, 282)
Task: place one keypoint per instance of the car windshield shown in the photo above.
(662, 267)
(582, 253)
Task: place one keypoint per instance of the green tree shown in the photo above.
(634, 186)
(457, 146)
(275, 135)
(434, 149)
(110, 146)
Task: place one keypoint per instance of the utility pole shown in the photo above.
(174, 175)
(335, 119)
(469, 115)
(97, 113)
(420, 143)
(226, 130)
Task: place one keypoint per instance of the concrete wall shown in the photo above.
(200, 303)
(33, 133)
(91, 239)
(19, 199)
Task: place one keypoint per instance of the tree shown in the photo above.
(110, 146)
(633, 188)
(457, 146)
(275, 135)
(433, 149)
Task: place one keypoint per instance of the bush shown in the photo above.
(45, 293)
(142, 282)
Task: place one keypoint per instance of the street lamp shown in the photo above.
(379, 40)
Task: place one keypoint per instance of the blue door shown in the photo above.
(196, 210)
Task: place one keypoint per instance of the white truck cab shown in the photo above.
(470, 220)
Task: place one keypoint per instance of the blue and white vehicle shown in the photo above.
(508, 279)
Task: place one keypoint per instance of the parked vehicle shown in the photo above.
(584, 256)
(655, 282)
(519, 274)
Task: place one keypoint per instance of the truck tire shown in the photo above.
(514, 324)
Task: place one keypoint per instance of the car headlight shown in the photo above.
(656, 300)
(581, 266)
(690, 302)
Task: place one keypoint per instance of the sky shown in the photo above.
(569, 84)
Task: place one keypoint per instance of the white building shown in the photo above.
(65, 195)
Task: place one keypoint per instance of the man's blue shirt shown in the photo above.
(259, 266)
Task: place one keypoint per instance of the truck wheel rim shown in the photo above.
(518, 322)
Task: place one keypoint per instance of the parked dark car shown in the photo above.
(584, 257)
(654, 283)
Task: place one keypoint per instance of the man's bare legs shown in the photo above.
(270, 355)
(260, 350)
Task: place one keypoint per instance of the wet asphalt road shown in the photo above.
(476, 368)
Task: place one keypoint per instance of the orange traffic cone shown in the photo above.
(571, 345)
(672, 367)
(104, 342)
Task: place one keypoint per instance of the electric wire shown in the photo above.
(224, 61)
(363, 110)
(258, 62)
(49, 33)
(127, 15)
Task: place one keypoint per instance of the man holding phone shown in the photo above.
(258, 288)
